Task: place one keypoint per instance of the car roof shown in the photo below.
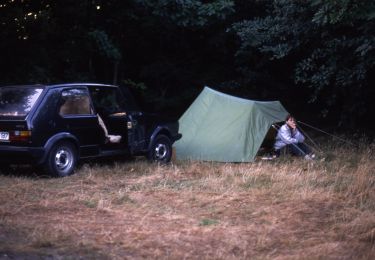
(80, 84)
(24, 86)
(62, 85)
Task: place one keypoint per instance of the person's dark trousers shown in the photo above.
(299, 149)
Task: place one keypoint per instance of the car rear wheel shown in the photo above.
(161, 149)
(61, 159)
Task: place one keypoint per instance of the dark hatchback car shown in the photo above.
(53, 126)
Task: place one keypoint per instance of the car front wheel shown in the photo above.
(161, 149)
(61, 160)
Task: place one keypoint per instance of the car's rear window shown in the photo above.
(18, 101)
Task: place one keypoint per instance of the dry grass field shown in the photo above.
(287, 208)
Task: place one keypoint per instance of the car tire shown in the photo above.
(161, 149)
(61, 160)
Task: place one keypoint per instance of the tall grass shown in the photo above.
(287, 208)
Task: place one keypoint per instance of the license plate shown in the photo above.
(4, 136)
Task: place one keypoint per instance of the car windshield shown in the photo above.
(18, 101)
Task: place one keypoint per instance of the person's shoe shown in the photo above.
(310, 156)
(115, 139)
(268, 157)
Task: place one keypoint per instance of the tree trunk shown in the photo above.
(115, 72)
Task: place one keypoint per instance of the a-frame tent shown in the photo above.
(223, 128)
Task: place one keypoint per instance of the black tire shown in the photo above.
(61, 160)
(161, 149)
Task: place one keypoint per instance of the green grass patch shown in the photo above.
(257, 182)
(123, 199)
(208, 222)
(90, 203)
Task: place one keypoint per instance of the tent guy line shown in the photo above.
(317, 129)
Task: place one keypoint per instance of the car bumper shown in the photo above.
(177, 137)
(15, 154)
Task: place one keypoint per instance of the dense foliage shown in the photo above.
(315, 51)
(329, 44)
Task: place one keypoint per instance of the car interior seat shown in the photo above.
(110, 138)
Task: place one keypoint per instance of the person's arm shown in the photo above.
(286, 135)
(299, 136)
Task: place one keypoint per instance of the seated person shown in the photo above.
(292, 140)
(109, 138)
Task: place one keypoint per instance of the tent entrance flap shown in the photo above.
(269, 139)
(224, 128)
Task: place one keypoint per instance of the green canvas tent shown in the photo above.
(224, 128)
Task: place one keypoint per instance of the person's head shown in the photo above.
(289, 117)
(290, 120)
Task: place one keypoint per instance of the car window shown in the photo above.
(75, 102)
(129, 100)
(17, 101)
(107, 100)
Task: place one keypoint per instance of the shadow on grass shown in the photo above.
(27, 171)
(108, 161)
(32, 171)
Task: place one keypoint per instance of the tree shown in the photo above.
(330, 45)
(178, 46)
(168, 47)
